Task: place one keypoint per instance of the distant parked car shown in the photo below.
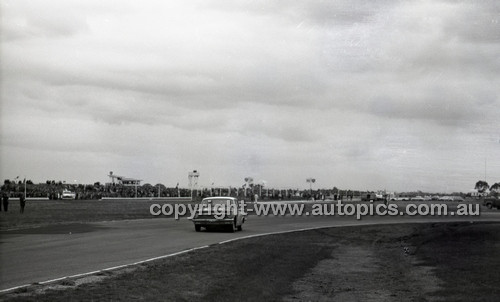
(435, 197)
(417, 198)
(458, 198)
(401, 198)
(67, 194)
(491, 202)
(446, 198)
(219, 211)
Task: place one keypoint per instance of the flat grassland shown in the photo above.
(404, 262)
(47, 212)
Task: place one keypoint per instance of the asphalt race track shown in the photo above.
(47, 253)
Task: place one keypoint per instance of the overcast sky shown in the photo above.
(367, 95)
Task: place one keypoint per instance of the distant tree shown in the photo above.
(481, 186)
(97, 184)
(29, 182)
(495, 187)
(6, 182)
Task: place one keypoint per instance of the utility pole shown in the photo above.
(310, 181)
(484, 168)
(193, 181)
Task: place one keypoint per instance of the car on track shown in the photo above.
(219, 211)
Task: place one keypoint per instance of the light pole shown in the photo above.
(310, 181)
(248, 182)
(193, 180)
(135, 184)
(15, 179)
(262, 184)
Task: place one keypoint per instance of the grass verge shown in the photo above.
(445, 262)
(46, 212)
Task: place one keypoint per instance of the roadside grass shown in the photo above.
(46, 212)
(249, 270)
(405, 262)
(468, 262)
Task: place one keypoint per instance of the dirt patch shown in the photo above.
(367, 271)
(334, 276)
(466, 258)
(431, 262)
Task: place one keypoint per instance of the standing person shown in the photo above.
(5, 201)
(22, 203)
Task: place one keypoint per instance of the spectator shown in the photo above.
(22, 203)
(5, 201)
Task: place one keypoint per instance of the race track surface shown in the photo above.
(46, 253)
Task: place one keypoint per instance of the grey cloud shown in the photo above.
(36, 20)
(446, 113)
(316, 12)
(275, 130)
(306, 84)
(438, 104)
(475, 22)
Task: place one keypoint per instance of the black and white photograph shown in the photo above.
(250, 150)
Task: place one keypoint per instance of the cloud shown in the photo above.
(305, 87)
(36, 20)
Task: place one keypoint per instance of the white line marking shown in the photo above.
(14, 288)
(105, 269)
(289, 231)
(222, 242)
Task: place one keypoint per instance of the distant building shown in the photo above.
(476, 193)
(124, 181)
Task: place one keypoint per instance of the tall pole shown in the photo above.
(25, 187)
(310, 181)
(193, 181)
(484, 168)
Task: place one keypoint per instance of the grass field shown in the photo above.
(46, 212)
(431, 262)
